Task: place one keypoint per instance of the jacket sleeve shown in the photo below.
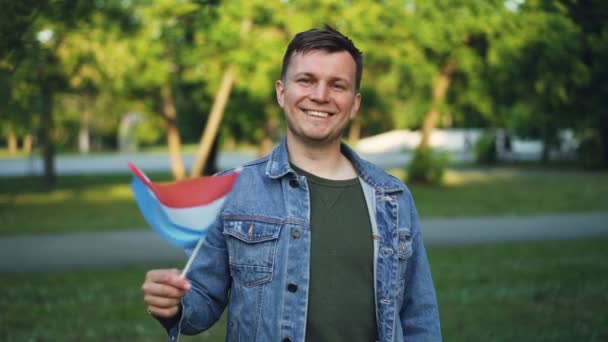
(419, 314)
(209, 275)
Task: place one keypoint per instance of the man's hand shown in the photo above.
(163, 291)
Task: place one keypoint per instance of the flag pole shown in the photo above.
(192, 256)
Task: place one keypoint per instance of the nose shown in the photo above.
(319, 93)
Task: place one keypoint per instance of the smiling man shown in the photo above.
(314, 243)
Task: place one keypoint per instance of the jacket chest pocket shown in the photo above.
(252, 248)
(404, 252)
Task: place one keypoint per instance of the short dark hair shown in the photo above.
(325, 39)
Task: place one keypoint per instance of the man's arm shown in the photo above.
(191, 305)
(419, 314)
(209, 275)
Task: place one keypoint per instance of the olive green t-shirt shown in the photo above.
(341, 298)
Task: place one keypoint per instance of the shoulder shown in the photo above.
(252, 177)
(380, 178)
(247, 168)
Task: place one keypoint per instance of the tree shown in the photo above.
(535, 71)
(591, 96)
(38, 34)
(447, 42)
(208, 138)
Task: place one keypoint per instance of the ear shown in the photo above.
(355, 109)
(280, 89)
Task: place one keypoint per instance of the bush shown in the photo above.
(485, 149)
(428, 166)
(591, 152)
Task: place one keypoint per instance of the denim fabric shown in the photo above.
(255, 260)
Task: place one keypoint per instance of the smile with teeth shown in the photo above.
(317, 113)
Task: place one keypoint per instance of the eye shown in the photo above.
(339, 86)
(304, 80)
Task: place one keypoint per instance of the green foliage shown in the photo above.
(546, 71)
(589, 149)
(149, 131)
(485, 150)
(534, 67)
(427, 166)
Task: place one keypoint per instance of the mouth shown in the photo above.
(317, 113)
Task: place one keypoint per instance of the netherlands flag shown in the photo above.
(181, 212)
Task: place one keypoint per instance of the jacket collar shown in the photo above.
(278, 161)
(278, 166)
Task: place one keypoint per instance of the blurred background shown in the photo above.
(494, 113)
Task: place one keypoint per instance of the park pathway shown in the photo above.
(34, 253)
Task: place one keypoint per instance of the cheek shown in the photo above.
(281, 99)
(348, 107)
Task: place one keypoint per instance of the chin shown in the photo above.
(322, 140)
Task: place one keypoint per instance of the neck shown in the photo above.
(325, 161)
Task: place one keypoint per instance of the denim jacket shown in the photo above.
(255, 259)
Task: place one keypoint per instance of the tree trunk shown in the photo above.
(48, 143)
(547, 140)
(11, 142)
(28, 141)
(270, 133)
(217, 112)
(603, 131)
(210, 165)
(84, 138)
(173, 140)
(213, 123)
(440, 90)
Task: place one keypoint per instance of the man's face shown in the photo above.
(318, 96)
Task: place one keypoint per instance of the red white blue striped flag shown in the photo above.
(181, 212)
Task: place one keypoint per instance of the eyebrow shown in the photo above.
(333, 79)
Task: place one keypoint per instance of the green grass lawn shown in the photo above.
(541, 291)
(76, 203)
(536, 291)
(105, 202)
(513, 191)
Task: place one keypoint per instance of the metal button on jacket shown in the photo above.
(292, 287)
(295, 233)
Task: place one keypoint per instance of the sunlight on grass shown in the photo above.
(112, 193)
(453, 177)
(456, 178)
(75, 204)
(92, 195)
(4, 154)
(510, 191)
(56, 196)
(105, 202)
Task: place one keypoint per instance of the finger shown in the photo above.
(161, 302)
(162, 290)
(161, 274)
(170, 277)
(163, 312)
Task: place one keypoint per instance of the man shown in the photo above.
(314, 243)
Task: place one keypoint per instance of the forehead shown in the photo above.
(323, 63)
